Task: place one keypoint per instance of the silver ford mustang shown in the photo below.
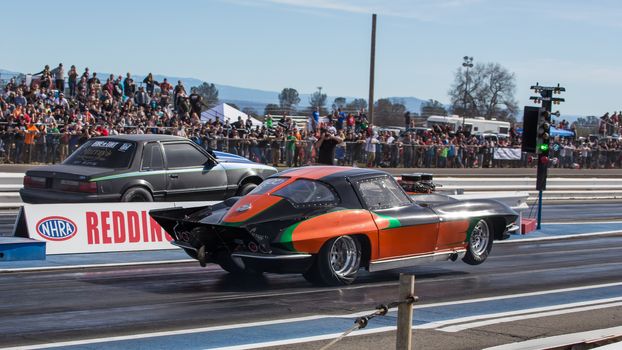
(143, 168)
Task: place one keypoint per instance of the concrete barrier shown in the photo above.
(96, 228)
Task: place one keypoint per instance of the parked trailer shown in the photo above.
(476, 126)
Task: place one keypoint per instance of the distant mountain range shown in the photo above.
(245, 97)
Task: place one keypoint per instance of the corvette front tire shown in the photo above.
(480, 243)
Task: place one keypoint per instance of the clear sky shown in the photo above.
(272, 44)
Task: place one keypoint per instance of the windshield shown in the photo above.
(382, 193)
(113, 154)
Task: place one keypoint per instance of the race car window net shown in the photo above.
(112, 154)
(382, 193)
(307, 193)
(268, 184)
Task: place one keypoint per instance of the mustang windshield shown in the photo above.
(307, 192)
(113, 154)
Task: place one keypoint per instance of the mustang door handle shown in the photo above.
(173, 176)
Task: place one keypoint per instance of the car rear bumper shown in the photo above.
(278, 263)
(290, 263)
(40, 196)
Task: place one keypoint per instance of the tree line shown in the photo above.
(485, 90)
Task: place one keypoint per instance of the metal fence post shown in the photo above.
(405, 312)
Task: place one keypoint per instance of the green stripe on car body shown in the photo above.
(393, 222)
(153, 172)
(286, 237)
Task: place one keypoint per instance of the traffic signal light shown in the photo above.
(543, 170)
(530, 129)
(542, 137)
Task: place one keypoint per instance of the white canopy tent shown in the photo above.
(225, 112)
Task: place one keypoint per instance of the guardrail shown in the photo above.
(503, 187)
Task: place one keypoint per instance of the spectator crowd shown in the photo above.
(45, 118)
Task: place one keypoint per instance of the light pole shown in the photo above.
(319, 97)
(467, 63)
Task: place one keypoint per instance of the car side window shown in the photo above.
(381, 193)
(152, 157)
(183, 155)
(305, 192)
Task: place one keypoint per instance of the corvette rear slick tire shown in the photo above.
(337, 263)
(137, 194)
(480, 243)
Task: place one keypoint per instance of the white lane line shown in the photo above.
(551, 238)
(581, 222)
(68, 267)
(519, 295)
(298, 319)
(458, 328)
(466, 322)
(305, 339)
(182, 332)
(562, 340)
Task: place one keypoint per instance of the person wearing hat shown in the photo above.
(326, 146)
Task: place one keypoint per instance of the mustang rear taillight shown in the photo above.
(89, 187)
(78, 186)
(34, 182)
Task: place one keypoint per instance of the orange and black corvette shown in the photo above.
(327, 222)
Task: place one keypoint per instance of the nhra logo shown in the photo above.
(56, 228)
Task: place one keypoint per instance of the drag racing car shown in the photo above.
(143, 168)
(327, 222)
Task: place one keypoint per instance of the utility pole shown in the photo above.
(543, 135)
(372, 64)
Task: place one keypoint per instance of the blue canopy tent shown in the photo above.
(553, 131)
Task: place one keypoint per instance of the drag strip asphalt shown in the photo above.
(448, 317)
(206, 308)
(550, 231)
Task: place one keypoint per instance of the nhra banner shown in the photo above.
(96, 227)
(507, 153)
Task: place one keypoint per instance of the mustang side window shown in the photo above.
(382, 193)
(152, 157)
(307, 193)
(183, 155)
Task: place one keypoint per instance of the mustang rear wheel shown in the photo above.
(337, 262)
(246, 189)
(480, 243)
(137, 194)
